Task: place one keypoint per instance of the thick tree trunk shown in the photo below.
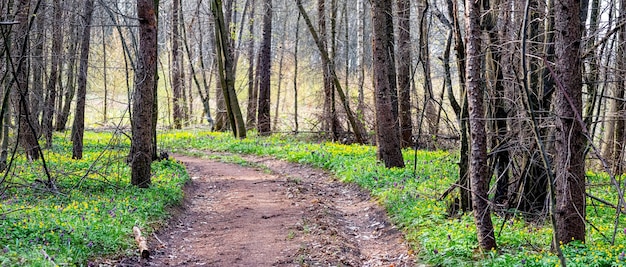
(78, 127)
(570, 142)
(386, 132)
(405, 72)
(265, 65)
(479, 170)
(143, 97)
(19, 94)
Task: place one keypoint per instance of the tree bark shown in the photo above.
(19, 94)
(176, 69)
(360, 51)
(479, 170)
(295, 76)
(386, 131)
(78, 127)
(51, 91)
(265, 65)
(329, 116)
(619, 104)
(222, 119)
(281, 60)
(143, 97)
(225, 66)
(405, 72)
(66, 95)
(37, 69)
(570, 142)
(252, 92)
(462, 114)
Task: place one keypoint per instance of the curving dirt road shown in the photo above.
(282, 214)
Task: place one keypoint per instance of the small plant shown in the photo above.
(291, 235)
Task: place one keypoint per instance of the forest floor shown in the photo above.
(273, 214)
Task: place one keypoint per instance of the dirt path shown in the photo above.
(291, 215)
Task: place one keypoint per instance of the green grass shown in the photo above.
(93, 213)
(412, 202)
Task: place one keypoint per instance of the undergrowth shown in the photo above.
(411, 200)
(94, 210)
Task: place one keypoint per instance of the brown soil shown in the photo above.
(280, 214)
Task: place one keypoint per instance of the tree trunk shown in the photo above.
(66, 96)
(265, 65)
(252, 92)
(360, 51)
(4, 145)
(155, 103)
(619, 105)
(225, 66)
(176, 69)
(78, 127)
(143, 97)
(20, 94)
(51, 91)
(105, 99)
(295, 76)
(222, 122)
(462, 115)
(405, 72)
(37, 68)
(281, 60)
(382, 42)
(570, 142)
(327, 112)
(479, 171)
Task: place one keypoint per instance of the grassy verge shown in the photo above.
(411, 201)
(94, 211)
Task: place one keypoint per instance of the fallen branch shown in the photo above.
(141, 243)
(157, 238)
(449, 190)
